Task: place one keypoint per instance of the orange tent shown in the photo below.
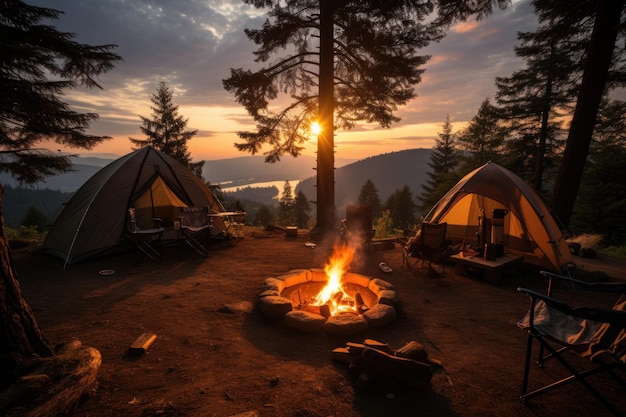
(529, 228)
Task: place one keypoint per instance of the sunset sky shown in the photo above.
(192, 44)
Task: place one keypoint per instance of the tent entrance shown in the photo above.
(158, 200)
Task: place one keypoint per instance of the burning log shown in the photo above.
(323, 310)
(373, 360)
(337, 297)
(360, 304)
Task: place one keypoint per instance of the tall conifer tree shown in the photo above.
(483, 138)
(38, 64)
(165, 130)
(364, 65)
(443, 163)
(369, 196)
(535, 99)
(402, 208)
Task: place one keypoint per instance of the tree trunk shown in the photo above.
(599, 57)
(21, 339)
(325, 141)
(543, 134)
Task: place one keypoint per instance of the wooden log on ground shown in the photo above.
(59, 382)
(381, 365)
(375, 344)
(142, 343)
(415, 350)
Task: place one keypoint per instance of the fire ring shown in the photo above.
(285, 297)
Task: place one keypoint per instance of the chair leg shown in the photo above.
(574, 375)
(529, 348)
(148, 250)
(195, 244)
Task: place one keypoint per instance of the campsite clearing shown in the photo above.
(215, 355)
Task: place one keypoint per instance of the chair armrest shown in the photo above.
(614, 317)
(157, 221)
(590, 286)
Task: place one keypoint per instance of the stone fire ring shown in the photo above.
(379, 295)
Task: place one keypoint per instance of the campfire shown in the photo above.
(331, 299)
(334, 298)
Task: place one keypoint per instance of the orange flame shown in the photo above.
(333, 293)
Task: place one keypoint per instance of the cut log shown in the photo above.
(375, 344)
(372, 360)
(383, 365)
(142, 343)
(415, 350)
(325, 310)
(341, 354)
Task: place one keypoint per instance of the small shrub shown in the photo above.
(615, 251)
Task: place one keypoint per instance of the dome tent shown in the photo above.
(94, 221)
(529, 228)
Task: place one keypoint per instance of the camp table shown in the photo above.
(490, 270)
(233, 221)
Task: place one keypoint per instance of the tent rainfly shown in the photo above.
(94, 221)
(529, 228)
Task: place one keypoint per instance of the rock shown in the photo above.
(274, 284)
(387, 297)
(380, 315)
(274, 307)
(343, 324)
(304, 321)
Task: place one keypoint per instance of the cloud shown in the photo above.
(463, 67)
(192, 44)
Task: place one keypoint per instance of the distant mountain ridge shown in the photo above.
(245, 170)
(388, 172)
(239, 171)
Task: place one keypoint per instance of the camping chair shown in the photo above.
(195, 228)
(596, 334)
(429, 247)
(146, 241)
(357, 226)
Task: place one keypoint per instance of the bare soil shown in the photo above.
(215, 355)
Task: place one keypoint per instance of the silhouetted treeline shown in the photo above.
(18, 200)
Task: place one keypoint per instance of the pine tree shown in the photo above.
(35, 217)
(286, 206)
(38, 64)
(364, 65)
(263, 216)
(302, 210)
(601, 201)
(442, 174)
(165, 130)
(600, 56)
(369, 196)
(483, 138)
(402, 208)
(535, 99)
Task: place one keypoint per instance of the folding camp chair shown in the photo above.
(429, 248)
(596, 334)
(357, 226)
(146, 241)
(195, 228)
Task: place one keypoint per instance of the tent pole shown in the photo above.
(80, 224)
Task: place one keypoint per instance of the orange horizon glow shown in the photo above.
(218, 144)
(218, 126)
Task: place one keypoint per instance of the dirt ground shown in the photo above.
(215, 355)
